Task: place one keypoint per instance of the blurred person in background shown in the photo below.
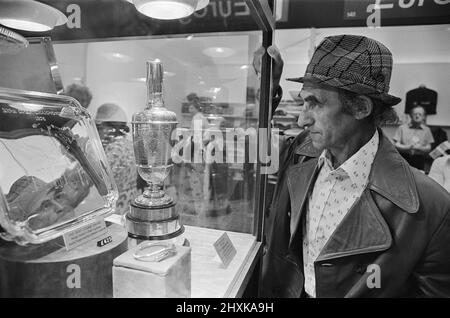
(413, 140)
(440, 171)
(80, 92)
(112, 127)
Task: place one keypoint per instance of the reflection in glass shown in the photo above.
(53, 174)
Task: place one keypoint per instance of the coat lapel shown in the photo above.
(300, 180)
(363, 230)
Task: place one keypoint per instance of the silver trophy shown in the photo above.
(152, 215)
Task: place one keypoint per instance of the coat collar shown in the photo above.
(390, 177)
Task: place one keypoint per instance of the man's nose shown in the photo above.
(304, 119)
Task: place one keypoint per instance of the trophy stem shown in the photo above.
(154, 196)
(154, 191)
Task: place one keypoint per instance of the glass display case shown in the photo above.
(218, 181)
(54, 176)
(208, 76)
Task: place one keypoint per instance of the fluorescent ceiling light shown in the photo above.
(30, 15)
(166, 9)
(169, 74)
(25, 25)
(117, 57)
(200, 5)
(218, 51)
(214, 90)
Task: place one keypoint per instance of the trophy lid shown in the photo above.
(155, 111)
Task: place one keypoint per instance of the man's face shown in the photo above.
(417, 115)
(50, 207)
(57, 201)
(329, 126)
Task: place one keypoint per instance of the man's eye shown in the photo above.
(45, 205)
(311, 104)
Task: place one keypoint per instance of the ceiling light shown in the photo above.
(244, 67)
(214, 90)
(189, 37)
(218, 51)
(117, 57)
(166, 9)
(30, 15)
(201, 4)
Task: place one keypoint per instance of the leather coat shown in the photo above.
(394, 241)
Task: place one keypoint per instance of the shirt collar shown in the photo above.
(358, 166)
(410, 125)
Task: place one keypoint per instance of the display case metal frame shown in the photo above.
(264, 15)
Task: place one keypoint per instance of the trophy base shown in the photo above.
(153, 223)
(149, 213)
(48, 270)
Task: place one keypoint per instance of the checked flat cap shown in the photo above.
(355, 63)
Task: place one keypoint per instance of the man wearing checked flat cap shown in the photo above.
(349, 216)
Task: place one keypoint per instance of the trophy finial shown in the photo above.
(155, 76)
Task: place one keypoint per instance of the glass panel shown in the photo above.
(53, 172)
(210, 83)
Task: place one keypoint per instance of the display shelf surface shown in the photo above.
(209, 278)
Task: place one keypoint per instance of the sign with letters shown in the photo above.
(84, 234)
(102, 19)
(225, 249)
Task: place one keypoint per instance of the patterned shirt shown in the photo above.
(333, 195)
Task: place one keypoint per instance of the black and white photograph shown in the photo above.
(217, 156)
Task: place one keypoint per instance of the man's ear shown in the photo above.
(363, 107)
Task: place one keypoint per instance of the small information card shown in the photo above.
(84, 234)
(225, 249)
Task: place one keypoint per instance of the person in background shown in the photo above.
(199, 121)
(80, 92)
(440, 171)
(355, 220)
(413, 140)
(112, 126)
